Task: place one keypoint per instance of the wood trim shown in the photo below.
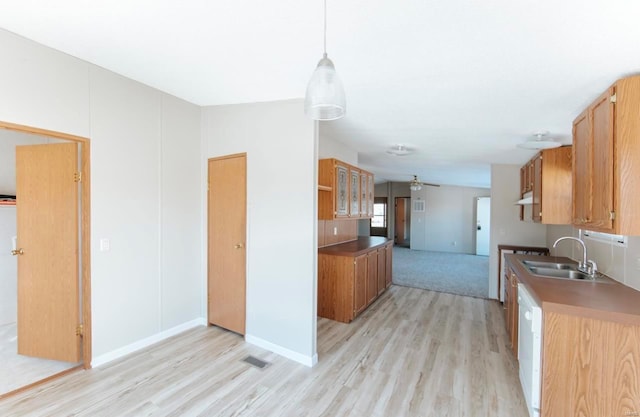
(41, 382)
(235, 155)
(85, 221)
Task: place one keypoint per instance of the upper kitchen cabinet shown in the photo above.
(343, 191)
(606, 166)
(549, 176)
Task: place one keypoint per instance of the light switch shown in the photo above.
(105, 245)
(335, 231)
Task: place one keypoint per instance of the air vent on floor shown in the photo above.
(258, 363)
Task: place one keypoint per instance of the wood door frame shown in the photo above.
(85, 225)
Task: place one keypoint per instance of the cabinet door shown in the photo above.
(581, 170)
(372, 276)
(507, 301)
(342, 191)
(382, 270)
(360, 285)
(536, 207)
(602, 175)
(371, 195)
(514, 314)
(389, 255)
(363, 194)
(354, 210)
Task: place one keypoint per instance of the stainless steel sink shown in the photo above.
(562, 271)
(550, 265)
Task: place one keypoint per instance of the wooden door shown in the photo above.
(602, 175)
(48, 268)
(400, 220)
(360, 286)
(227, 242)
(581, 170)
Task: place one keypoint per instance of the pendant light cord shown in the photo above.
(325, 28)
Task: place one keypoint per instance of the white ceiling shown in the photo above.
(461, 81)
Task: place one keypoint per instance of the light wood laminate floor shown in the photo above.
(18, 370)
(412, 353)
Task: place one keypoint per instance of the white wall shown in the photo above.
(135, 132)
(506, 227)
(331, 148)
(448, 223)
(617, 262)
(8, 267)
(281, 218)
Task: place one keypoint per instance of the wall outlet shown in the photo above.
(335, 231)
(105, 245)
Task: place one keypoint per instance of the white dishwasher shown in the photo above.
(529, 348)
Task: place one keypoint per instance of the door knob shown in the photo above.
(238, 246)
(16, 252)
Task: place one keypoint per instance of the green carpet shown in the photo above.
(454, 273)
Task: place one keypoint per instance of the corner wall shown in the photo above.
(506, 227)
(281, 148)
(145, 151)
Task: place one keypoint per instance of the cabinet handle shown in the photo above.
(238, 246)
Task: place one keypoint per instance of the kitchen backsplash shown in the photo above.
(618, 262)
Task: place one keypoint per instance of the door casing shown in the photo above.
(85, 224)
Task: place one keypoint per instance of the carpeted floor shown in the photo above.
(453, 273)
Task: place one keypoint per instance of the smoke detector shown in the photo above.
(399, 150)
(539, 142)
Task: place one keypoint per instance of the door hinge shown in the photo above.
(77, 176)
(80, 330)
(613, 98)
(612, 215)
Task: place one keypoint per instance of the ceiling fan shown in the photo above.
(416, 185)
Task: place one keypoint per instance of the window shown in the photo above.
(379, 215)
(617, 240)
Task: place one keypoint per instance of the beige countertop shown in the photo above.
(609, 300)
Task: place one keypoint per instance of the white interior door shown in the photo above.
(483, 216)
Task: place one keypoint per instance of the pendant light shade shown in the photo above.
(325, 98)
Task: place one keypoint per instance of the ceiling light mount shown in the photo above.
(415, 185)
(399, 150)
(325, 98)
(539, 142)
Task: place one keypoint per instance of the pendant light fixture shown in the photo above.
(325, 99)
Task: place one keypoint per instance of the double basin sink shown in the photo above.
(561, 271)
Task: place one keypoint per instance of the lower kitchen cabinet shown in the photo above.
(351, 276)
(511, 308)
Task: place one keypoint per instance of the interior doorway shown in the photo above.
(45, 323)
(227, 231)
(402, 221)
(483, 219)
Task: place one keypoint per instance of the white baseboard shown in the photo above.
(309, 361)
(141, 344)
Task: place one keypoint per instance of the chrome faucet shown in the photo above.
(586, 266)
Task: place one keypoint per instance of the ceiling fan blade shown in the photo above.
(430, 184)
